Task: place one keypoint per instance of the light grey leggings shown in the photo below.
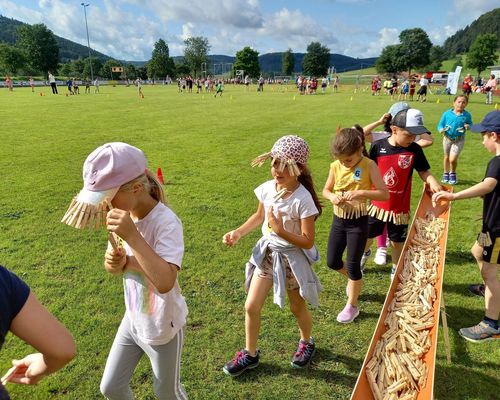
(124, 356)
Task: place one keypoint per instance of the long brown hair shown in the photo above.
(305, 178)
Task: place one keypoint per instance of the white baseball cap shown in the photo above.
(411, 120)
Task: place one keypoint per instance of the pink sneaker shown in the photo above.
(348, 314)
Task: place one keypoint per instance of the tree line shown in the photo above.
(416, 51)
(36, 52)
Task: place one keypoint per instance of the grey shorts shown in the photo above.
(265, 271)
(453, 146)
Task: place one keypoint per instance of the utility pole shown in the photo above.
(88, 40)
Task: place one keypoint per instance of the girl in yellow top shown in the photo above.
(353, 179)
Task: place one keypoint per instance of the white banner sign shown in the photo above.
(453, 78)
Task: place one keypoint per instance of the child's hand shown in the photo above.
(115, 259)
(275, 222)
(352, 195)
(336, 199)
(28, 371)
(119, 222)
(384, 118)
(231, 238)
(442, 195)
(435, 187)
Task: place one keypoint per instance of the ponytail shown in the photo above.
(151, 185)
(305, 178)
(359, 128)
(155, 188)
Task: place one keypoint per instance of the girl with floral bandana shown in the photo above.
(282, 258)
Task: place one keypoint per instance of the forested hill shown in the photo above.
(461, 41)
(273, 63)
(68, 50)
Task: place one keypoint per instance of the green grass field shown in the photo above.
(204, 147)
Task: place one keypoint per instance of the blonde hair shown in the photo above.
(151, 185)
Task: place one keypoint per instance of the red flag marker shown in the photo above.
(159, 174)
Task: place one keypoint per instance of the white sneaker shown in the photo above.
(381, 256)
(393, 272)
(364, 258)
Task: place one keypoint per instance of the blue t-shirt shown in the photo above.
(455, 123)
(13, 295)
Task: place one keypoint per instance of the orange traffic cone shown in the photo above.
(159, 174)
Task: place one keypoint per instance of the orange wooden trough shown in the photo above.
(362, 390)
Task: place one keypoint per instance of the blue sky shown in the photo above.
(128, 29)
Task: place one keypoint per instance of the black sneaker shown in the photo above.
(477, 289)
(304, 354)
(241, 362)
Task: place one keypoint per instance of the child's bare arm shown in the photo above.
(427, 177)
(370, 127)
(305, 240)
(327, 189)
(253, 222)
(425, 140)
(39, 328)
(161, 273)
(478, 190)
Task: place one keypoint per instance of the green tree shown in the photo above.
(96, 67)
(40, 47)
(11, 59)
(436, 57)
(247, 59)
(196, 53)
(65, 69)
(316, 60)
(415, 48)
(142, 72)
(130, 71)
(182, 69)
(389, 60)
(483, 52)
(161, 64)
(106, 69)
(288, 61)
(458, 62)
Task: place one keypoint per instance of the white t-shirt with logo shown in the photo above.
(297, 206)
(156, 317)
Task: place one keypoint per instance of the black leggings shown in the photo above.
(350, 233)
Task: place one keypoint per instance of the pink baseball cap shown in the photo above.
(107, 168)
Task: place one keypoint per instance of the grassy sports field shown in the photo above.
(204, 146)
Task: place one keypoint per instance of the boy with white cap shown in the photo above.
(397, 156)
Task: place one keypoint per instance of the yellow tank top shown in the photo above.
(348, 179)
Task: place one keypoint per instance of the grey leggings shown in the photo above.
(124, 356)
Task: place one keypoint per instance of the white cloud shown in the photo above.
(464, 12)
(438, 36)
(295, 30)
(28, 15)
(369, 47)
